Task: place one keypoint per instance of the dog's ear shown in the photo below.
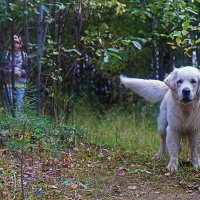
(170, 80)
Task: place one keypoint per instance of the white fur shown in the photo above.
(179, 114)
(152, 90)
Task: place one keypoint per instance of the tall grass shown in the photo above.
(132, 127)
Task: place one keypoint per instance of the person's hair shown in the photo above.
(18, 39)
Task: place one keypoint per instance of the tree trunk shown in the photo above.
(13, 68)
(26, 37)
(38, 59)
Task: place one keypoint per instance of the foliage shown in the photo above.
(112, 36)
(26, 131)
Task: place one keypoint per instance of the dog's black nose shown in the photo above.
(186, 92)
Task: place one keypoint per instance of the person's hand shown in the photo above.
(18, 73)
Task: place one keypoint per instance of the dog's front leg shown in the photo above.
(161, 149)
(173, 146)
(162, 126)
(195, 148)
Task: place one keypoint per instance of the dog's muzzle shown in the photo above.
(186, 95)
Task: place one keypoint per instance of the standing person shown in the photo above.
(19, 63)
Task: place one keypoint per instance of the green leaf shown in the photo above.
(26, 12)
(36, 11)
(163, 35)
(148, 14)
(197, 41)
(125, 42)
(46, 9)
(185, 25)
(86, 32)
(184, 32)
(113, 50)
(135, 11)
(182, 16)
(137, 44)
(12, 6)
(176, 33)
(55, 53)
(178, 41)
(73, 50)
(189, 9)
(60, 6)
(115, 55)
(98, 53)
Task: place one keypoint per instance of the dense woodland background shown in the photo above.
(79, 48)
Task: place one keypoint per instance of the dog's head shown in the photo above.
(185, 82)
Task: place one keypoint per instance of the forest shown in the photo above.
(81, 134)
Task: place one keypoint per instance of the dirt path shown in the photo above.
(150, 180)
(135, 187)
(93, 173)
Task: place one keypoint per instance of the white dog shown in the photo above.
(179, 111)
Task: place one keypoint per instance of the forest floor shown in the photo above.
(91, 172)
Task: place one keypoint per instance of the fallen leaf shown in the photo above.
(122, 171)
(78, 197)
(74, 186)
(132, 187)
(114, 189)
(53, 186)
(71, 165)
(2, 151)
(57, 172)
(109, 158)
(100, 155)
(5, 194)
(56, 191)
(5, 166)
(182, 183)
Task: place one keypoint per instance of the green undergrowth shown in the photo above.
(25, 131)
(131, 128)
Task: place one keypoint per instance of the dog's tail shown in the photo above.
(152, 90)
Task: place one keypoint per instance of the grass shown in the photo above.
(131, 128)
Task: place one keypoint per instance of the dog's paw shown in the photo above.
(172, 166)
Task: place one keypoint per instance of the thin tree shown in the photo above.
(26, 35)
(38, 58)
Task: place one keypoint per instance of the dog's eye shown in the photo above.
(193, 81)
(179, 81)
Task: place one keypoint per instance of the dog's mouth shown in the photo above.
(186, 100)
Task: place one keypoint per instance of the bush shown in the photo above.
(26, 130)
